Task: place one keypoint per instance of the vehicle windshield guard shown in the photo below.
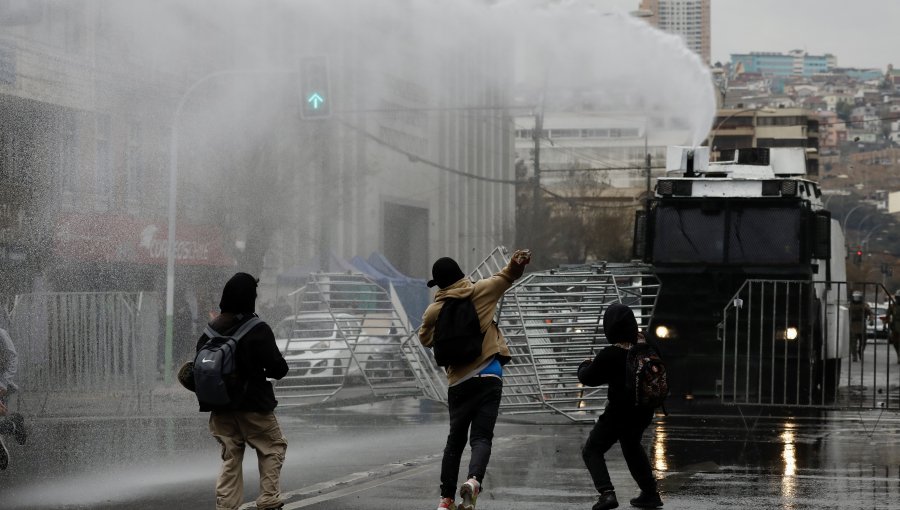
(701, 234)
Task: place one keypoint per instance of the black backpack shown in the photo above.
(216, 380)
(646, 379)
(457, 333)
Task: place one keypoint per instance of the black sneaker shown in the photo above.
(647, 500)
(19, 432)
(606, 501)
(4, 455)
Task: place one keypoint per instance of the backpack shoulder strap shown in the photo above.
(237, 334)
(245, 328)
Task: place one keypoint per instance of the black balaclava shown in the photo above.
(239, 294)
(445, 272)
(619, 324)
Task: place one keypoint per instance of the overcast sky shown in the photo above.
(861, 33)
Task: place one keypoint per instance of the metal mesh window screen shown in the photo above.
(764, 236)
(688, 235)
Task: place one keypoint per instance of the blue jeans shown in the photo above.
(474, 403)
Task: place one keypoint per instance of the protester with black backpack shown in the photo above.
(460, 326)
(247, 417)
(625, 417)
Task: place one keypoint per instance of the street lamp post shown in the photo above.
(860, 224)
(879, 228)
(173, 195)
(865, 240)
(847, 217)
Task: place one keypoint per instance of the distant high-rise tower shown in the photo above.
(687, 18)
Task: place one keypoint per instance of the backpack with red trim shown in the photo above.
(646, 377)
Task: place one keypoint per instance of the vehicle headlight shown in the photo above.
(789, 333)
(662, 331)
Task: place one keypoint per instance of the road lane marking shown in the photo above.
(353, 490)
(365, 480)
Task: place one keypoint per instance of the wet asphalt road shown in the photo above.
(387, 455)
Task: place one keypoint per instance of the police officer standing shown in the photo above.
(860, 313)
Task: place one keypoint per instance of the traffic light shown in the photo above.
(315, 97)
(857, 258)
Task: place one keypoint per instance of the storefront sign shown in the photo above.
(110, 238)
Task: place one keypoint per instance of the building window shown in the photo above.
(133, 164)
(595, 133)
(564, 133)
(7, 158)
(16, 156)
(68, 154)
(103, 165)
(781, 142)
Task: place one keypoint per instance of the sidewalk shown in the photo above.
(162, 400)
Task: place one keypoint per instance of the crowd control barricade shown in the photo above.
(790, 344)
(102, 344)
(552, 321)
(347, 331)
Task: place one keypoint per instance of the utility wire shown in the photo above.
(454, 171)
(601, 169)
(569, 150)
(416, 157)
(580, 202)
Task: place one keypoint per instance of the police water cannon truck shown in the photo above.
(709, 228)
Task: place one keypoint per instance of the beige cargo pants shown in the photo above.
(235, 430)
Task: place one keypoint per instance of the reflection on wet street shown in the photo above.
(836, 461)
(840, 460)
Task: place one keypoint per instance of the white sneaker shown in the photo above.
(469, 493)
(446, 504)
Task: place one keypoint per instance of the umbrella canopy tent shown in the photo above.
(413, 292)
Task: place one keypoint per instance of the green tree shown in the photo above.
(843, 110)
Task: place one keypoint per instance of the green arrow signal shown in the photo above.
(315, 100)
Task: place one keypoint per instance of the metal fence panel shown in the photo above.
(790, 343)
(97, 342)
(345, 325)
(552, 321)
(346, 328)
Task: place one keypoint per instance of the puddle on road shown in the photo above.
(793, 460)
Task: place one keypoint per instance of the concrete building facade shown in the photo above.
(768, 127)
(612, 146)
(794, 63)
(88, 114)
(689, 19)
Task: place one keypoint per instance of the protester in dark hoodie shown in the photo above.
(474, 389)
(621, 421)
(251, 419)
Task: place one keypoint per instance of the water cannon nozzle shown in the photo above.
(689, 167)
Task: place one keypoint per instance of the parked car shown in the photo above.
(318, 344)
(313, 345)
(878, 328)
